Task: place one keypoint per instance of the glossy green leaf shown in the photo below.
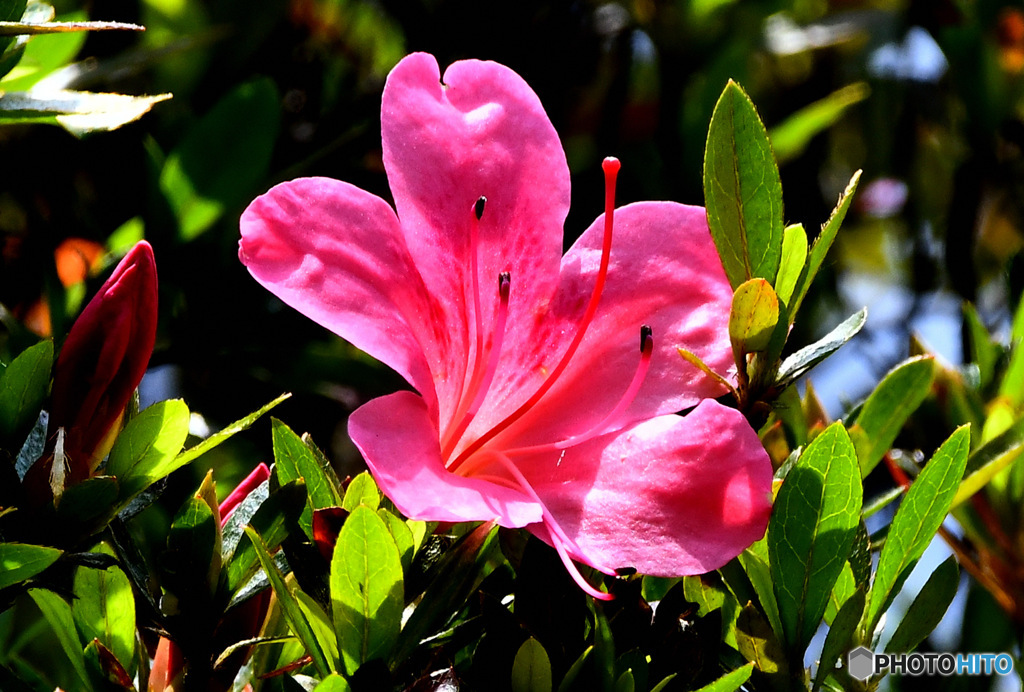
(730, 682)
(761, 579)
(321, 625)
(226, 433)
(21, 561)
(791, 267)
(104, 608)
(191, 544)
(823, 243)
(148, 446)
(24, 384)
(89, 504)
(400, 532)
(811, 531)
(289, 605)
(753, 318)
(271, 520)
(927, 608)
(742, 190)
(78, 112)
(888, 407)
(917, 519)
(57, 613)
(839, 638)
(799, 364)
(333, 683)
(845, 586)
(366, 589)
(222, 159)
(361, 491)
(791, 136)
(988, 460)
(293, 459)
(531, 670)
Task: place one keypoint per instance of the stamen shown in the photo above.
(646, 350)
(482, 382)
(611, 169)
(558, 538)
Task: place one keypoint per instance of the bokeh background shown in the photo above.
(923, 95)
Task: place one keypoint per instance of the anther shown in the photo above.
(646, 338)
(504, 285)
(478, 207)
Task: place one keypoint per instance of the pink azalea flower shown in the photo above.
(534, 408)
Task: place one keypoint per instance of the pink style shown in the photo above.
(535, 406)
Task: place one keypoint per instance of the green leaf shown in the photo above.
(982, 349)
(10, 11)
(839, 638)
(33, 28)
(366, 589)
(811, 531)
(753, 318)
(78, 112)
(927, 609)
(758, 644)
(191, 544)
(917, 519)
(823, 243)
(888, 407)
(320, 624)
(57, 613)
(761, 579)
(148, 445)
(217, 438)
(107, 673)
(402, 534)
(361, 491)
(742, 190)
(791, 136)
(272, 520)
(333, 683)
(293, 459)
(730, 682)
(791, 267)
(223, 158)
(104, 608)
(20, 561)
(290, 606)
(798, 364)
(531, 670)
(45, 54)
(24, 384)
(988, 460)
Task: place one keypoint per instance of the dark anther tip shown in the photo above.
(478, 208)
(625, 571)
(645, 333)
(504, 284)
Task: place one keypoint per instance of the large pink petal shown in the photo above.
(483, 132)
(670, 496)
(664, 272)
(336, 254)
(399, 441)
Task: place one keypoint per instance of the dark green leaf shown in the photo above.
(917, 519)
(366, 589)
(839, 638)
(531, 670)
(983, 350)
(222, 158)
(811, 531)
(57, 613)
(927, 609)
(20, 561)
(758, 643)
(742, 190)
(888, 407)
(271, 521)
(24, 384)
(293, 613)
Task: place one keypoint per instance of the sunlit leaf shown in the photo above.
(730, 682)
(811, 531)
(145, 450)
(104, 608)
(20, 561)
(988, 460)
(57, 613)
(791, 136)
(78, 112)
(799, 364)
(753, 317)
(742, 190)
(791, 267)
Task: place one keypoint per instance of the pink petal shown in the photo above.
(664, 272)
(336, 254)
(399, 441)
(669, 496)
(241, 491)
(483, 132)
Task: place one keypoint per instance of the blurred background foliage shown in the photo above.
(924, 95)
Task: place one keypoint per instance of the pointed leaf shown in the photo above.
(839, 637)
(811, 531)
(33, 28)
(761, 579)
(797, 365)
(927, 609)
(792, 135)
(791, 268)
(742, 190)
(917, 519)
(888, 407)
(78, 112)
(758, 643)
(730, 682)
(20, 561)
(147, 446)
(366, 589)
(57, 613)
(988, 460)
(292, 612)
(531, 670)
(23, 387)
